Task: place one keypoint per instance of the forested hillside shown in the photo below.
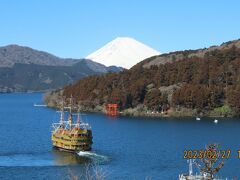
(205, 83)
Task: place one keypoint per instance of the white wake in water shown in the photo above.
(93, 156)
(29, 160)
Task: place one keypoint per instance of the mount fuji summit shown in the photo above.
(122, 51)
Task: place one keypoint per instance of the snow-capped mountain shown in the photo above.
(123, 51)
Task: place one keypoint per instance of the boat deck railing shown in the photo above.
(66, 125)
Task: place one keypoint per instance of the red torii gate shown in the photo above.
(112, 109)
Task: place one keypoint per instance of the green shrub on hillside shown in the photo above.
(224, 110)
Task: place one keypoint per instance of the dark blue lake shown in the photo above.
(124, 148)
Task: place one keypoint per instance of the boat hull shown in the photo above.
(74, 140)
(70, 150)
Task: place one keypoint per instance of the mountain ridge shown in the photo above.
(41, 70)
(179, 55)
(14, 53)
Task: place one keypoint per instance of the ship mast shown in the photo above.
(62, 114)
(78, 118)
(70, 115)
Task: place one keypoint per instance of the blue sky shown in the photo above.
(75, 28)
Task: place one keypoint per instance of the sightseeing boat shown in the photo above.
(68, 136)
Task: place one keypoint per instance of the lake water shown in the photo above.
(124, 148)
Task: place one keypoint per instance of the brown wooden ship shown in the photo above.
(72, 137)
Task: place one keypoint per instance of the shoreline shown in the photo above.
(52, 100)
(176, 114)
